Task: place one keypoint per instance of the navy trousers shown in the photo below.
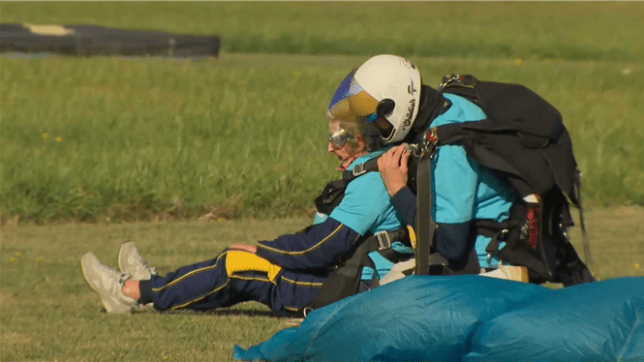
(234, 277)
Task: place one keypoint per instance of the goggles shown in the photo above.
(352, 104)
(339, 138)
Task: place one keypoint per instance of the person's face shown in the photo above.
(339, 145)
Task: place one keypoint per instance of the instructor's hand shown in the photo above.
(393, 169)
(244, 247)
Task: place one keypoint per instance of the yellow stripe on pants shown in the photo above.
(242, 261)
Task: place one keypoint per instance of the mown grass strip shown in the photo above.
(244, 135)
(50, 313)
(128, 139)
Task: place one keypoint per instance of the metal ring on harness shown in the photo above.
(430, 141)
(498, 236)
(487, 260)
(306, 311)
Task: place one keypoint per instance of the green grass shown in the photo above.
(107, 140)
(135, 139)
(49, 313)
(244, 135)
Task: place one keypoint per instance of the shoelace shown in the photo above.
(148, 269)
(123, 277)
(151, 270)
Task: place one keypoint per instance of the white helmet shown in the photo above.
(384, 90)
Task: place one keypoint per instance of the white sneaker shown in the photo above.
(130, 262)
(509, 272)
(107, 282)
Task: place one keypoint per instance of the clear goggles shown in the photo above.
(340, 137)
(352, 104)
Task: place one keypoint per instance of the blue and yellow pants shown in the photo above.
(234, 277)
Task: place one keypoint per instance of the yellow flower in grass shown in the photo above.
(58, 139)
(45, 135)
(517, 62)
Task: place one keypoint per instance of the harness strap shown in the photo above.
(496, 231)
(424, 222)
(345, 278)
(360, 169)
(587, 257)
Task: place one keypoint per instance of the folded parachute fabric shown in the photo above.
(469, 318)
(601, 321)
(411, 319)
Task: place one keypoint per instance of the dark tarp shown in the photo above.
(88, 40)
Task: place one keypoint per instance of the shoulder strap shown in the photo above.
(425, 225)
(333, 192)
(360, 169)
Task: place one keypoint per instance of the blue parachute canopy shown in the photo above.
(469, 318)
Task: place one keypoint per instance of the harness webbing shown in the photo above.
(587, 256)
(424, 223)
(345, 278)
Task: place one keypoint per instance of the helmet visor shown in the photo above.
(352, 104)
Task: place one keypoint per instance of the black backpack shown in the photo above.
(524, 142)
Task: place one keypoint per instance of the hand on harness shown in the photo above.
(393, 169)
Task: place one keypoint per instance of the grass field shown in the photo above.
(50, 314)
(244, 135)
(232, 149)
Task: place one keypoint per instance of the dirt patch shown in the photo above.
(634, 211)
(7, 300)
(9, 339)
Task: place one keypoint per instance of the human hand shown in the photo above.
(392, 167)
(244, 247)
